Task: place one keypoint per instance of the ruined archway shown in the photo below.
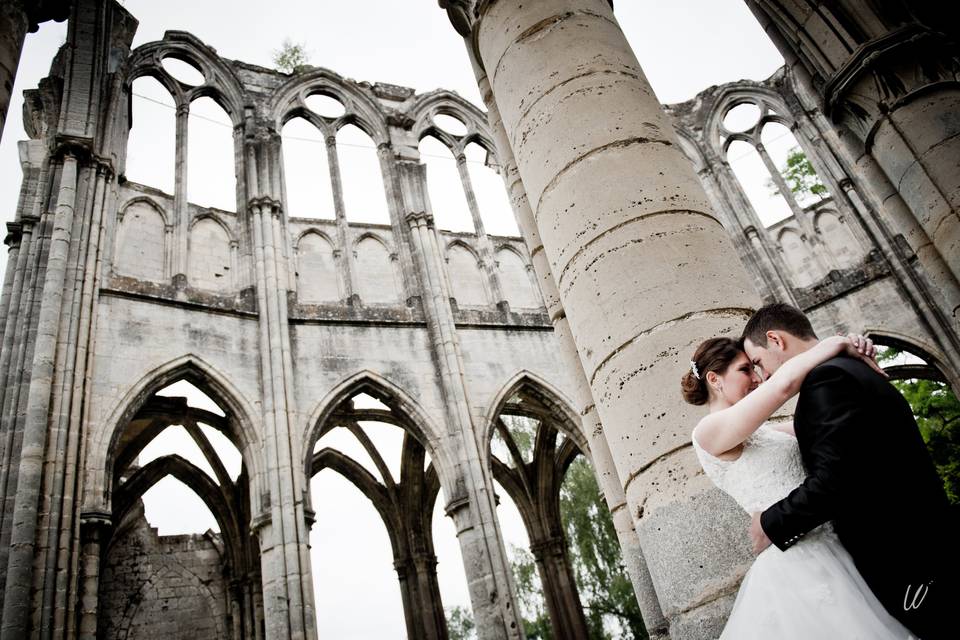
(142, 588)
(404, 501)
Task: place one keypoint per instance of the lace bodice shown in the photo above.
(767, 470)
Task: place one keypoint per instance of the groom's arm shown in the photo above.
(831, 411)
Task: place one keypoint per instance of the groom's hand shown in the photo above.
(757, 536)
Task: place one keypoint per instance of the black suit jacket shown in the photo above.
(870, 473)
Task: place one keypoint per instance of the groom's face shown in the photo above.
(766, 359)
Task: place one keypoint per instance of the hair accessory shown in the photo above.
(696, 372)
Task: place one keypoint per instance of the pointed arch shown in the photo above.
(190, 367)
(444, 102)
(220, 82)
(361, 107)
(414, 418)
(919, 347)
(559, 405)
(144, 478)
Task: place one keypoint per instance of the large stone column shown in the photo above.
(13, 30)
(644, 271)
(600, 455)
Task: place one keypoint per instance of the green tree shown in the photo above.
(800, 176)
(536, 620)
(291, 57)
(605, 588)
(937, 412)
(460, 624)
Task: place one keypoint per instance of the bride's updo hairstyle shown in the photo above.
(714, 354)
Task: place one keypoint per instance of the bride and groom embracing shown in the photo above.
(864, 543)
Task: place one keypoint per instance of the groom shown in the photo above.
(869, 473)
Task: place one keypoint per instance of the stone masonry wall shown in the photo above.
(162, 587)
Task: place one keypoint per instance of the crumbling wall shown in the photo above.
(162, 587)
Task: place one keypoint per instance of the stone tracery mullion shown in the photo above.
(507, 437)
(209, 453)
(361, 435)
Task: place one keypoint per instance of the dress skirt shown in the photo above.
(810, 591)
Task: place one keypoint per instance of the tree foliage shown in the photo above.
(606, 592)
(291, 57)
(937, 412)
(460, 624)
(605, 588)
(800, 176)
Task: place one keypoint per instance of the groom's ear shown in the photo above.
(776, 338)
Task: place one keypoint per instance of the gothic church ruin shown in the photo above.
(638, 241)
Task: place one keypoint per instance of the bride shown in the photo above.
(812, 590)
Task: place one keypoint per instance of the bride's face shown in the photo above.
(739, 379)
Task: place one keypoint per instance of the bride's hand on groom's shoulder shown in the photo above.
(862, 347)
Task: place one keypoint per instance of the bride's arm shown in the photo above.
(723, 430)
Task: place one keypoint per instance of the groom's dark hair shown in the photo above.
(778, 316)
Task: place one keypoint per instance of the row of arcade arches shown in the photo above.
(187, 428)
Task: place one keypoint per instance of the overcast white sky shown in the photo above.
(684, 46)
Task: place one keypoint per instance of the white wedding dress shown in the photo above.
(812, 590)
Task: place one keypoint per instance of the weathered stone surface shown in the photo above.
(114, 290)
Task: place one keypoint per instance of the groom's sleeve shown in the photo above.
(832, 413)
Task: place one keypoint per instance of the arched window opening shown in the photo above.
(211, 165)
(194, 396)
(448, 200)
(935, 408)
(804, 183)
(173, 508)
(317, 278)
(752, 174)
(174, 440)
(141, 243)
(306, 171)
(352, 562)
(742, 117)
(491, 193)
(151, 145)
(573, 564)
(182, 71)
(450, 124)
(209, 257)
(324, 105)
(376, 273)
(466, 279)
(364, 199)
(181, 515)
(515, 281)
(396, 535)
(523, 566)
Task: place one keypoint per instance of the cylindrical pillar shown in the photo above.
(13, 30)
(600, 454)
(644, 270)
